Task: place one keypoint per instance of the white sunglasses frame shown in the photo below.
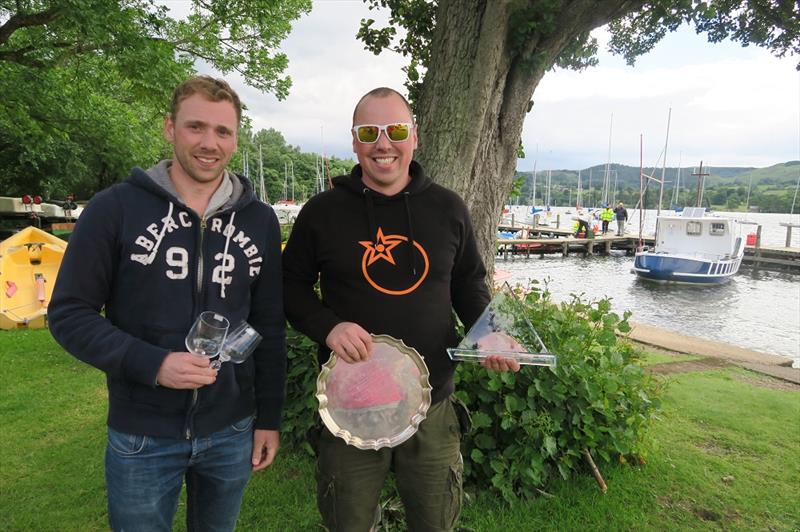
(382, 129)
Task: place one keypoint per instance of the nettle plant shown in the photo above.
(530, 426)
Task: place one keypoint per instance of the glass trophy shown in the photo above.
(503, 329)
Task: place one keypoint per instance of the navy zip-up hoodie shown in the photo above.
(395, 265)
(154, 265)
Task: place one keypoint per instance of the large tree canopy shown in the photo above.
(85, 83)
(474, 66)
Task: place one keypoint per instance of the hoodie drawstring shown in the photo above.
(373, 231)
(412, 257)
(164, 223)
(228, 232)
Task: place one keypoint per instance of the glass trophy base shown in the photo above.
(524, 359)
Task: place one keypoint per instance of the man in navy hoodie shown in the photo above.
(394, 254)
(153, 252)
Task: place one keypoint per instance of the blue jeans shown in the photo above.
(144, 477)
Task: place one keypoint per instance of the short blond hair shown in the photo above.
(216, 90)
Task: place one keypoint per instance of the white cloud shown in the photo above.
(732, 106)
(733, 111)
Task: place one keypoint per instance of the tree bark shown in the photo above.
(476, 93)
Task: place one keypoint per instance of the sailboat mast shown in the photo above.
(700, 175)
(641, 191)
(607, 177)
(614, 193)
(676, 195)
(664, 164)
(285, 181)
(548, 188)
(291, 169)
(261, 187)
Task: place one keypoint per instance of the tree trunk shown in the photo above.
(478, 89)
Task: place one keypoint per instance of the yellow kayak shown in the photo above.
(29, 263)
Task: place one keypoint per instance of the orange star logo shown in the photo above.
(381, 248)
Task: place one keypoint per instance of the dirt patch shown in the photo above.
(704, 364)
(711, 363)
(706, 514)
(767, 382)
(720, 448)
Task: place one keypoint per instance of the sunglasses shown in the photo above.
(369, 133)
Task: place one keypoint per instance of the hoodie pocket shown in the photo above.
(168, 399)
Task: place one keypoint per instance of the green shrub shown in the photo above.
(301, 403)
(531, 425)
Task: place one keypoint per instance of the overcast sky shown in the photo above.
(731, 106)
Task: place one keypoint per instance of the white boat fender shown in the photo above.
(39, 287)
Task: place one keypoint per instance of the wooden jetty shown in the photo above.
(548, 240)
(564, 243)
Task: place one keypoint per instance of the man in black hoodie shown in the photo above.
(155, 251)
(394, 254)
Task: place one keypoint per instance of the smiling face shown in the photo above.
(203, 138)
(384, 164)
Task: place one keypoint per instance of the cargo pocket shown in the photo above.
(456, 493)
(326, 498)
(462, 414)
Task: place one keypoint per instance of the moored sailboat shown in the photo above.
(692, 247)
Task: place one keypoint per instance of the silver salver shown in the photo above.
(379, 402)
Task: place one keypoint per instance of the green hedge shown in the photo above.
(531, 425)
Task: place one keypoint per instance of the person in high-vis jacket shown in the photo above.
(606, 215)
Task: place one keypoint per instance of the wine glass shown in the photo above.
(207, 334)
(238, 346)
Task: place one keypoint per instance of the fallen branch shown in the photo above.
(597, 476)
(545, 494)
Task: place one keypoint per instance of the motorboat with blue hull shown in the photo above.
(693, 248)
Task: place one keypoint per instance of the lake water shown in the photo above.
(757, 309)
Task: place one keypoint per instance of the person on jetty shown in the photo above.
(401, 257)
(606, 215)
(622, 217)
(155, 251)
(582, 222)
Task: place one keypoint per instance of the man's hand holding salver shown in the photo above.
(350, 342)
(185, 371)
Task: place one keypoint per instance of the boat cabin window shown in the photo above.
(694, 228)
(716, 228)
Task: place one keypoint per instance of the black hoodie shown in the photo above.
(154, 265)
(395, 265)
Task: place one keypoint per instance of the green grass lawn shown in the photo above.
(727, 457)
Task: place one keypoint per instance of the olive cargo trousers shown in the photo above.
(428, 468)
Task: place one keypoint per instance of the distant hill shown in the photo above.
(779, 174)
(628, 176)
